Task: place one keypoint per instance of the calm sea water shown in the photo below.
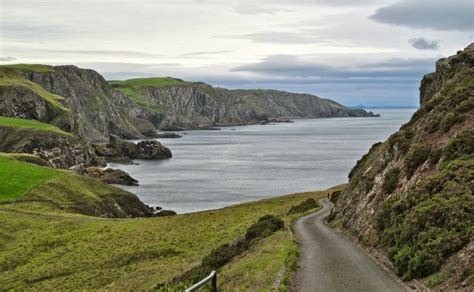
(213, 169)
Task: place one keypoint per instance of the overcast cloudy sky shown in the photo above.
(371, 52)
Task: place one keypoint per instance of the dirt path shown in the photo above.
(330, 262)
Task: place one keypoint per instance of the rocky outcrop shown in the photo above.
(118, 150)
(111, 176)
(411, 197)
(57, 149)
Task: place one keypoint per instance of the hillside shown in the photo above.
(51, 236)
(81, 102)
(411, 197)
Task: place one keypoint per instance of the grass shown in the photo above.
(134, 89)
(17, 177)
(84, 195)
(9, 78)
(61, 250)
(150, 82)
(30, 124)
(30, 67)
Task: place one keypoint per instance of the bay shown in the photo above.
(213, 169)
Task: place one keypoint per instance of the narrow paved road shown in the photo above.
(330, 262)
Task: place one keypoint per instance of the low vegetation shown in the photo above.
(303, 207)
(417, 155)
(391, 180)
(64, 250)
(217, 258)
(421, 230)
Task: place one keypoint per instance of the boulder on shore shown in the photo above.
(168, 135)
(119, 150)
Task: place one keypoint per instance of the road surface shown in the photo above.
(330, 262)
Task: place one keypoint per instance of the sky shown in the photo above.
(370, 52)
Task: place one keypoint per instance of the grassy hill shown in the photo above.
(17, 177)
(45, 244)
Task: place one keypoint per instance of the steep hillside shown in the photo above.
(412, 196)
(194, 105)
(77, 100)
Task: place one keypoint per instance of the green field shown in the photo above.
(61, 250)
(17, 177)
(30, 124)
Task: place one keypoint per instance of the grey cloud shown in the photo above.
(432, 14)
(291, 66)
(424, 44)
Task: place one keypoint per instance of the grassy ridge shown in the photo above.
(134, 88)
(30, 124)
(30, 67)
(64, 251)
(18, 177)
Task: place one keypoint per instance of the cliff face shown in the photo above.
(191, 105)
(412, 195)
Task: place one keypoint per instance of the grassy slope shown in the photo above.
(66, 251)
(18, 177)
(30, 67)
(30, 124)
(133, 89)
(8, 77)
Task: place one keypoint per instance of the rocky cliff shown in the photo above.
(411, 197)
(198, 105)
(77, 100)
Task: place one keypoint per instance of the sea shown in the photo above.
(212, 169)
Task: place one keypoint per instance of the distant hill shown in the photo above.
(82, 102)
